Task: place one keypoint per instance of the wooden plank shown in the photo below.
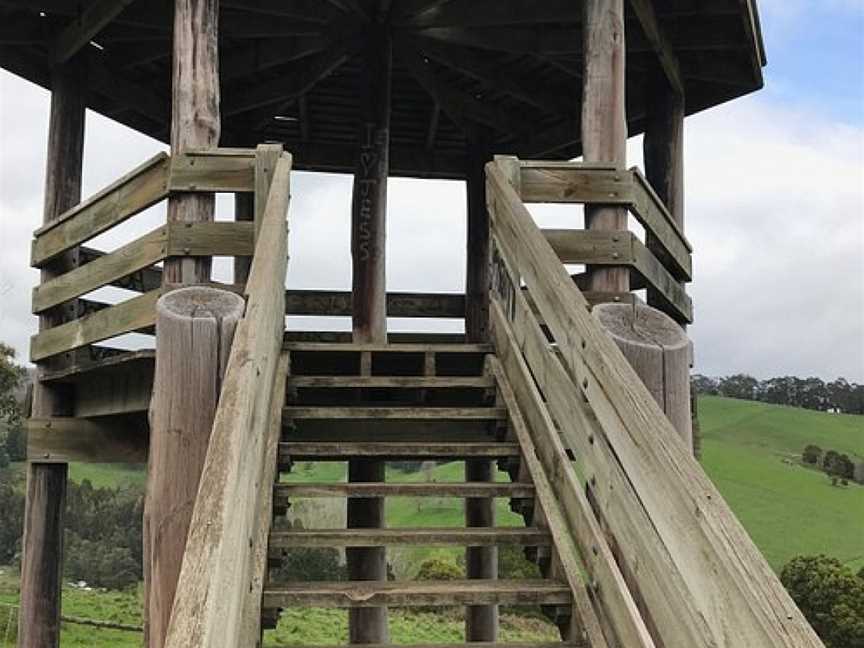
(399, 413)
(65, 439)
(124, 389)
(134, 192)
(678, 304)
(202, 171)
(728, 581)
(339, 450)
(89, 23)
(137, 255)
(334, 303)
(546, 456)
(402, 594)
(220, 572)
(394, 382)
(396, 347)
(211, 239)
(425, 537)
(137, 361)
(142, 281)
(284, 492)
(132, 315)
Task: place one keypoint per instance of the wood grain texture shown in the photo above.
(196, 327)
(65, 439)
(284, 492)
(728, 583)
(221, 573)
(604, 118)
(195, 118)
(340, 450)
(425, 537)
(477, 254)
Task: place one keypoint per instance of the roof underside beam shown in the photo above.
(644, 11)
(84, 28)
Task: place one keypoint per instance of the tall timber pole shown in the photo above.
(42, 562)
(604, 120)
(194, 328)
(369, 307)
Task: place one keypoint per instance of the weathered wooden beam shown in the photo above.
(90, 22)
(477, 249)
(65, 439)
(654, 34)
(45, 502)
(338, 304)
(480, 13)
(222, 170)
(475, 537)
(195, 121)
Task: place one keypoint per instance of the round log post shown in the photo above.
(369, 301)
(481, 621)
(660, 352)
(604, 121)
(477, 257)
(196, 326)
(42, 561)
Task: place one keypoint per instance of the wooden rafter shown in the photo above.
(258, 56)
(644, 10)
(497, 77)
(84, 28)
(480, 13)
(432, 130)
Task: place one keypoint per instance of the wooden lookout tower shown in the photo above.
(567, 394)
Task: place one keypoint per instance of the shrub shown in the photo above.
(830, 596)
(812, 455)
(311, 564)
(439, 569)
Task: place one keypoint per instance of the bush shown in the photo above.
(311, 564)
(812, 455)
(439, 569)
(513, 565)
(830, 596)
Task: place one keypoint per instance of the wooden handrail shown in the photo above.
(219, 590)
(695, 574)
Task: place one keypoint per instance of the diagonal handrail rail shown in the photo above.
(219, 589)
(697, 576)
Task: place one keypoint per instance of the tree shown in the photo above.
(704, 385)
(11, 379)
(830, 596)
(812, 455)
(739, 386)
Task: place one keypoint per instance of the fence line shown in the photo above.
(94, 623)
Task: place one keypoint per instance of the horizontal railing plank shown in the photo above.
(333, 303)
(425, 537)
(135, 192)
(597, 247)
(125, 317)
(65, 439)
(213, 171)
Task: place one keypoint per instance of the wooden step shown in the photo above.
(426, 537)
(351, 347)
(358, 594)
(473, 644)
(397, 413)
(389, 451)
(393, 382)
(283, 492)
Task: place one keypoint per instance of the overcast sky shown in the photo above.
(774, 208)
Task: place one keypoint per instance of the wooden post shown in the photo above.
(244, 211)
(196, 326)
(663, 148)
(42, 562)
(604, 119)
(481, 621)
(477, 258)
(369, 301)
(195, 118)
(185, 363)
(660, 352)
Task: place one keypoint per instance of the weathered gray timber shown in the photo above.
(660, 352)
(65, 439)
(196, 326)
(42, 560)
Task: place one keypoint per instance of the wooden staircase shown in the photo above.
(398, 402)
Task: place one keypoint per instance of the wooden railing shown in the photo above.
(571, 182)
(134, 265)
(667, 563)
(219, 591)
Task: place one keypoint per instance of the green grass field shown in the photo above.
(750, 451)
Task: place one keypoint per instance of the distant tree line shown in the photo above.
(839, 395)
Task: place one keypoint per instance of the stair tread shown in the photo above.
(472, 644)
(398, 382)
(397, 412)
(473, 536)
(409, 489)
(397, 347)
(351, 594)
(402, 449)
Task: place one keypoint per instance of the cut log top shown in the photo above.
(641, 326)
(196, 302)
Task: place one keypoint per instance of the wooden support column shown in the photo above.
(604, 120)
(477, 257)
(42, 562)
(481, 621)
(196, 326)
(193, 337)
(194, 118)
(369, 295)
(663, 148)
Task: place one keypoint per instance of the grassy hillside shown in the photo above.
(750, 451)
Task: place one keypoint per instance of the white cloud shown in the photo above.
(775, 210)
